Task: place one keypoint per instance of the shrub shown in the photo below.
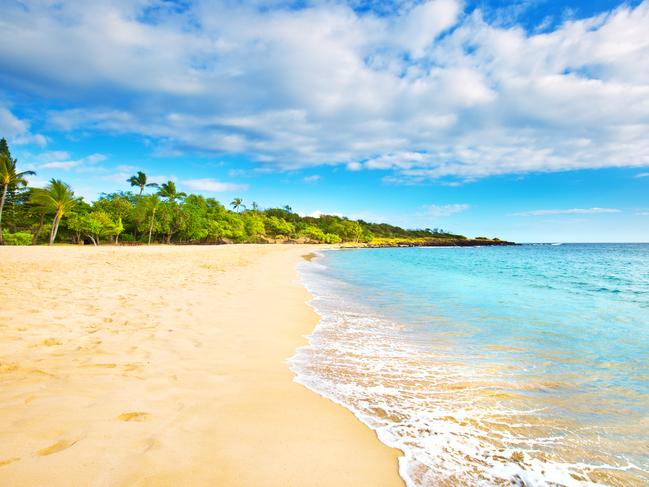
(18, 238)
(332, 238)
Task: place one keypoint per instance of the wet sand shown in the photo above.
(167, 366)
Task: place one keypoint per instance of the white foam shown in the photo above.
(431, 409)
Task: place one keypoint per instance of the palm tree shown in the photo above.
(140, 180)
(9, 181)
(152, 204)
(236, 204)
(287, 208)
(168, 190)
(58, 197)
(254, 206)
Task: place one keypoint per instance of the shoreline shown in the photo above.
(167, 365)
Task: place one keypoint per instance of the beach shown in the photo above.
(166, 365)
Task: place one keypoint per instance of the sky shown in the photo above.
(526, 120)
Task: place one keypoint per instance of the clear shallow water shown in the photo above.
(522, 365)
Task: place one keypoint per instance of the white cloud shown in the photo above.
(571, 211)
(416, 30)
(62, 160)
(312, 179)
(213, 186)
(160, 178)
(319, 213)
(126, 168)
(354, 166)
(642, 175)
(18, 130)
(423, 92)
(441, 211)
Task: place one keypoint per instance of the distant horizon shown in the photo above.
(525, 121)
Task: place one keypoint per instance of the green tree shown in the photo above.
(10, 179)
(140, 181)
(170, 219)
(237, 204)
(278, 227)
(195, 218)
(168, 190)
(56, 197)
(151, 204)
(254, 224)
(314, 233)
(93, 225)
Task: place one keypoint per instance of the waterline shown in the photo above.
(485, 392)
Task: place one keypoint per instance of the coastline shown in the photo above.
(167, 365)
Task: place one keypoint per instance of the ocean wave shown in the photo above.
(456, 424)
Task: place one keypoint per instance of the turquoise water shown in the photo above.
(524, 365)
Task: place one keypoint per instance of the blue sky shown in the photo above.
(525, 120)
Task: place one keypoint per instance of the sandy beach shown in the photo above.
(167, 366)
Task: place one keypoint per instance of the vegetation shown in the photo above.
(140, 181)
(167, 215)
(10, 182)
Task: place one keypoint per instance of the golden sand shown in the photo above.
(166, 366)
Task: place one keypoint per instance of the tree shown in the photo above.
(170, 219)
(151, 205)
(168, 190)
(236, 204)
(278, 227)
(254, 224)
(93, 225)
(9, 178)
(56, 197)
(313, 233)
(140, 181)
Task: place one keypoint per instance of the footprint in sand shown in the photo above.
(133, 416)
(151, 444)
(8, 461)
(56, 447)
(51, 342)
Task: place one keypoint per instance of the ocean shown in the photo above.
(524, 365)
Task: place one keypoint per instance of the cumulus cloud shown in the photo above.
(571, 211)
(422, 91)
(18, 130)
(441, 211)
(212, 185)
(319, 213)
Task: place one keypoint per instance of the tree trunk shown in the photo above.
(13, 211)
(38, 230)
(92, 240)
(55, 228)
(2, 205)
(151, 226)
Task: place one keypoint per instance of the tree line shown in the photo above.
(159, 213)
